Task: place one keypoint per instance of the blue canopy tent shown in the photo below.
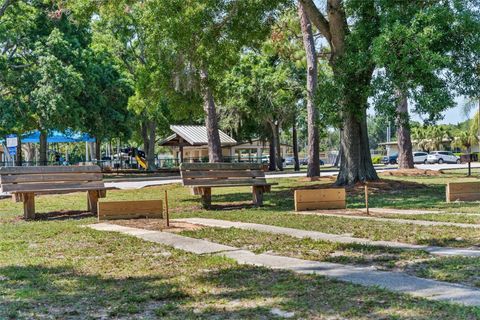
(59, 137)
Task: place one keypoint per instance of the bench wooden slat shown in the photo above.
(39, 187)
(224, 182)
(50, 169)
(222, 174)
(51, 177)
(220, 166)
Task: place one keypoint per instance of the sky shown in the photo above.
(453, 115)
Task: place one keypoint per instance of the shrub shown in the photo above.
(377, 159)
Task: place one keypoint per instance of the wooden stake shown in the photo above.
(166, 208)
(366, 198)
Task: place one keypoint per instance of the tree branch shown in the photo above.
(338, 26)
(317, 18)
(4, 6)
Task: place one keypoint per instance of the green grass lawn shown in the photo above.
(56, 269)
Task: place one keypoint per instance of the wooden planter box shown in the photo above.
(111, 210)
(314, 199)
(463, 191)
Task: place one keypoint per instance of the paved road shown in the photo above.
(138, 184)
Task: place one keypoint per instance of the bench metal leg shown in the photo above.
(206, 197)
(257, 193)
(28, 205)
(92, 200)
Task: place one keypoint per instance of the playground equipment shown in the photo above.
(139, 156)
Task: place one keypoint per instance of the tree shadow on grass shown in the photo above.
(241, 292)
(64, 215)
(310, 296)
(278, 199)
(385, 193)
(62, 293)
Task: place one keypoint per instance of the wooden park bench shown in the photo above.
(26, 182)
(202, 177)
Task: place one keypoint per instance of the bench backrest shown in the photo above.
(37, 179)
(204, 174)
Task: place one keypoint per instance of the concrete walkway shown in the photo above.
(316, 235)
(393, 281)
(414, 212)
(394, 220)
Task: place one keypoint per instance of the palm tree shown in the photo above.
(419, 138)
(436, 135)
(465, 140)
(471, 105)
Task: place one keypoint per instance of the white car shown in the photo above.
(420, 157)
(442, 157)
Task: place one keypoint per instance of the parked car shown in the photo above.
(442, 157)
(391, 159)
(289, 161)
(304, 161)
(420, 157)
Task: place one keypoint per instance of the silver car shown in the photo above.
(442, 157)
(420, 157)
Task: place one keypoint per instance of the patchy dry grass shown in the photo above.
(56, 269)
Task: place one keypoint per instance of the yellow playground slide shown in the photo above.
(141, 162)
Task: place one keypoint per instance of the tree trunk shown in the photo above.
(144, 133)
(4, 7)
(19, 157)
(211, 122)
(278, 164)
(313, 169)
(98, 149)
(30, 154)
(150, 151)
(478, 129)
(278, 150)
(271, 154)
(339, 156)
(295, 144)
(404, 140)
(43, 148)
(355, 163)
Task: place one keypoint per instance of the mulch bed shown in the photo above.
(376, 187)
(411, 173)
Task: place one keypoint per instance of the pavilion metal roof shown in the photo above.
(195, 136)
